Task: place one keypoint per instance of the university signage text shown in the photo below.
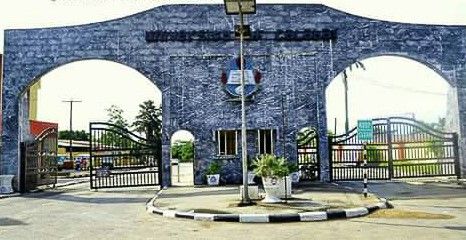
(208, 35)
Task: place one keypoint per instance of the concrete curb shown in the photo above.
(58, 185)
(332, 214)
(9, 195)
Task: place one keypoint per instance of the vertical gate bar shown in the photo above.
(316, 160)
(90, 154)
(22, 172)
(457, 159)
(389, 145)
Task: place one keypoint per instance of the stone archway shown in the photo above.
(180, 51)
(368, 89)
(183, 157)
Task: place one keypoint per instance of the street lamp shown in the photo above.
(241, 7)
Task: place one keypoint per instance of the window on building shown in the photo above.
(227, 142)
(265, 141)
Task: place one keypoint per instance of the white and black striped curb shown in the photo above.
(272, 218)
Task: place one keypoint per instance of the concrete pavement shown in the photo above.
(75, 212)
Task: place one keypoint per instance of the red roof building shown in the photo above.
(37, 127)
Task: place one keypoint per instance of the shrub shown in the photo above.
(213, 168)
(269, 165)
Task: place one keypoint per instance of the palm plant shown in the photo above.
(268, 165)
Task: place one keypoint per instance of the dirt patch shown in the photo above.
(404, 214)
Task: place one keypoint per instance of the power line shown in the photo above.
(398, 87)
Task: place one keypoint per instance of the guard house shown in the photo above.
(191, 54)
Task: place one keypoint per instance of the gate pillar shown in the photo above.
(165, 167)
(457, 119)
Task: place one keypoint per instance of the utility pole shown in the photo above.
(71, 101)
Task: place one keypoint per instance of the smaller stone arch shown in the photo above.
(183, 159)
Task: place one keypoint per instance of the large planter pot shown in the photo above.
(6, 183)
(213, 180)
(295, 177)
(276, 188)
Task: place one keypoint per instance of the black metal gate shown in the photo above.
(308, 155)
(39, 161)
(119, 158)
(401, 148)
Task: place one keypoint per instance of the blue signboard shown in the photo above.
(232, 78)
(365, 130)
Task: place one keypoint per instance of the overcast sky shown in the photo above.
(385, 78)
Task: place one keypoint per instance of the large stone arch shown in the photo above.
(28, 53)
(448, 76)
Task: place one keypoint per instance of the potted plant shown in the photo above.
(213, 173)
(294, 172)
(273, 171)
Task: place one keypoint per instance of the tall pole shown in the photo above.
(245, 198)
(345, 83)
(71, 101)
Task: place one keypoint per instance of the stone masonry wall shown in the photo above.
(188, 73)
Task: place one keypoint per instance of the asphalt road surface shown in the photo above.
(75, 212)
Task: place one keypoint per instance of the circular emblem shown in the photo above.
(231, 79)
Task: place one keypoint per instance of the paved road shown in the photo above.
(74, 212)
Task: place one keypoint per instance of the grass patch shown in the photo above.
(405, 214)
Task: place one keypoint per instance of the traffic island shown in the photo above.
(315, 202)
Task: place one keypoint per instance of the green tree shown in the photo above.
(115, 137)
(149, 120)
(75, 135)
(115, 116)
(183, 151)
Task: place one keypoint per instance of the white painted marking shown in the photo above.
(169, 213)
(356, 212)
(312, 216)
(258, 218)
(203, 217)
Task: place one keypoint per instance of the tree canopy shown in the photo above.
(115, 116)
(183, 151)
(79, 135)
(149, 120)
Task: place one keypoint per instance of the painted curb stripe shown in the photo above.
(158, 211)
(204, 217)
(275, 218)
(169, 213)
(254, 218)
(336, 214)
(284, 218)
(356, 212)
(184, 215)
(149, 208)
(372, 208)
(382, 205)
(312, 216)
(226, 218)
